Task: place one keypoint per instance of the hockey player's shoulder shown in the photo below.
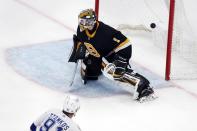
(106, 27)
(52, 111)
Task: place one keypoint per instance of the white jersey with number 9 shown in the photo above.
(55, 120)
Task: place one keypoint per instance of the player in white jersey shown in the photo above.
(59, 120)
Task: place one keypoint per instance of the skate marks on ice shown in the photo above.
(46, 64)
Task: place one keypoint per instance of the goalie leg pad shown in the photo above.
(142, 85)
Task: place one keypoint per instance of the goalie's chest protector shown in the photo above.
(102, 41)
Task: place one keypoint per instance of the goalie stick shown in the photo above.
(73, 75)
(78, 52)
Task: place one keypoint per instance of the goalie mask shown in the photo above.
(87, 19)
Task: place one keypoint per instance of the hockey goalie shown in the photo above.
(103, 49)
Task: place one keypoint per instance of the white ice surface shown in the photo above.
(24, 28)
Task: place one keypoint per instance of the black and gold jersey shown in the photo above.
(102, 40)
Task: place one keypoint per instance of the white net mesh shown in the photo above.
(137, 15)
(184, 45)
(184, 49)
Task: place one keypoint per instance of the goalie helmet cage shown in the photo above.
(174, 34)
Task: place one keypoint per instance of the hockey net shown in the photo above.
(131, 16)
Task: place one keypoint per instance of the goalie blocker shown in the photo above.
(78, 50)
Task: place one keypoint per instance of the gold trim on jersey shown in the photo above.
(92, 50)
(94, 33)
(122, 45)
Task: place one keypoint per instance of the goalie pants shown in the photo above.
(91, 67)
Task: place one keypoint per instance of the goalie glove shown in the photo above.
(78, 50)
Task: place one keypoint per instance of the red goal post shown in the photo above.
(169, 41)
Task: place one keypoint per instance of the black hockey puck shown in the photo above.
(152, 25)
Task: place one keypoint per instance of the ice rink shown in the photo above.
(35, 40)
